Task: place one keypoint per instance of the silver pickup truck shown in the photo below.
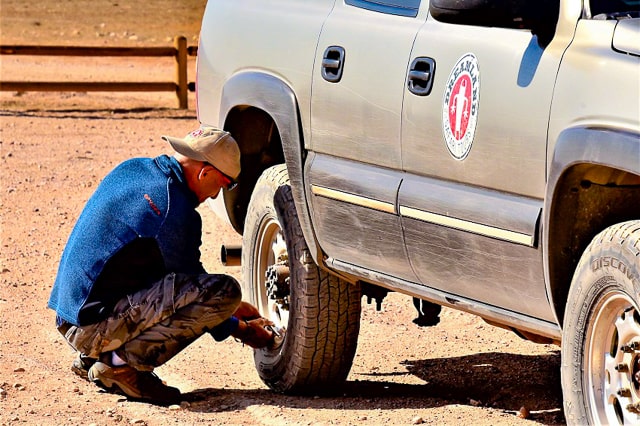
(482, 155)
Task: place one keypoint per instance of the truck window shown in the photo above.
(613, 9)
(392, 7)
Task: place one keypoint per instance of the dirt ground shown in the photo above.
(55, 148)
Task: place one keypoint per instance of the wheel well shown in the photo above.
(260, 147)
(587, 199)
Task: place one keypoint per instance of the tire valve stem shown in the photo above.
(622, 368)
(624, 392)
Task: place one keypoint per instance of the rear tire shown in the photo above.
(601, 332)
(320, 312)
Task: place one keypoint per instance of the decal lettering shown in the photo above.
(460, 106)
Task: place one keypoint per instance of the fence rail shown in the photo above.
(181, 86)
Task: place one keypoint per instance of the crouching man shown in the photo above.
(131, 291)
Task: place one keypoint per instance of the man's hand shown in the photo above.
(247, 311)
(254, 333)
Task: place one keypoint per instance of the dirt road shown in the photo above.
(55, 148)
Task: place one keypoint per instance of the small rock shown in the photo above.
(137, 422)
(175, 407)
(18, 370)
(475, 403)
(185, 404)
(524, 412)
(418, 420)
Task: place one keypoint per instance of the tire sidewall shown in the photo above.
(261, 208)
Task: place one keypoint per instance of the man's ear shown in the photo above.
(204, 171)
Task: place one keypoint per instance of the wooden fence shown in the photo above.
(181, 86)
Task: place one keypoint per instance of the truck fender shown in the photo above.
(276, 98)
(613, 148)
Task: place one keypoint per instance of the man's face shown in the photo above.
(211, 181)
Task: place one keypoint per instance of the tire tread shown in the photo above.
(326, 322)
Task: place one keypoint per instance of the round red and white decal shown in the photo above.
(460, 106)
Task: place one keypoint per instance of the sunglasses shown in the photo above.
(229, 184)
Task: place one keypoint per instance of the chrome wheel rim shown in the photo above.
(271, 251)
(612, 368)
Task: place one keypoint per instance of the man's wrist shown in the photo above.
(225, 329)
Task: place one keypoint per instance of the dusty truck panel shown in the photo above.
(482, 155)
(284, 69)
(264, 32)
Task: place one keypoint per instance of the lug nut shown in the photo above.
(633, 408)
(631, 347)
(624, 392)
(622, 368)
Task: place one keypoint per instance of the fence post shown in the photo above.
(182, 88)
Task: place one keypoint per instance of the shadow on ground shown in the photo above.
(477, 379)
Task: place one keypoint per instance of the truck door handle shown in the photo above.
(333, 63)
(420, 78)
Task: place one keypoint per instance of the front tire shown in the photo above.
(601, 333)
(319, 312)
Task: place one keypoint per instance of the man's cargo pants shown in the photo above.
(148, 328)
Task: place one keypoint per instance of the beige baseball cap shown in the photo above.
(215, 146)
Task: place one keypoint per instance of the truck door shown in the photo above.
(474, 150)
(354, 169)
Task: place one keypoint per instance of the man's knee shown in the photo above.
(235, 292)
(223, 287)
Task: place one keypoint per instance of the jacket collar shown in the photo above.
(172, 168)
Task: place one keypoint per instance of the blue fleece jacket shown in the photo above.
(140, 198)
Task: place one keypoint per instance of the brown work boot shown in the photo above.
(134, 384)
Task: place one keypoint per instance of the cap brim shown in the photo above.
(181, 146)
